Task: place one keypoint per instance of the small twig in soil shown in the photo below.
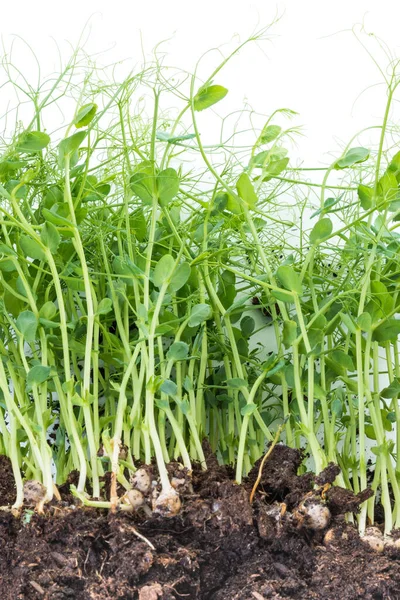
(38, 588)
(267, 455)
(141, 537)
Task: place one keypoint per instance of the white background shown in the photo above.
(313, 63)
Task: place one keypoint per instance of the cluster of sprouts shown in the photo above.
(156, 291)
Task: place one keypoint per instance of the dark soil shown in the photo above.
(219, 548)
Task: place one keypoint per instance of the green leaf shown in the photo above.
(364, 322)
(198, 314)
(180, 277)
(321, 230)
(37, 375)
(270, 133)
(85, 115)
(248, 409)
(7, 266)
(387, 423)
(77, 400)
(394, 165)
(169, 387)
(166, 137)
(53, 217)
(388, 186)
(178, 351)
(167, 186)
(289, 333)
(236, 383)
(31, 248)
(27, 325)
(163, 404)
(187, 384)
(142, 182)
(208, 96)
(387, 331)
(138, 225)
(370, 432)
(9, 167)
(53, 194)
(48, 311)
(50, 237)
(6, 250)
(33, 141)
(246, 190)
(69, 145)
(47, 324)
(282, 297)
(343, 359)
(275, 168)
(163, 270)
(247, 326)
(123, 265)
(184, 407)
(352, 157)
(289, 279)
(105, 306)
(392, 391)
(329, 204)
(348, 321)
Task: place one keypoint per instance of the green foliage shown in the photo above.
(208, 96)
(152, 300)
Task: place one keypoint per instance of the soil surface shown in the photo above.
(219, 547)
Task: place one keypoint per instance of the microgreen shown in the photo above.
(154, 292)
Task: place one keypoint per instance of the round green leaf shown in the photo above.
(208, 96)
(85, 115)
(48, 311)
(178, 351)
(246, 190)
(167, 186)
(27, 325)
(169, 387)
(33, 141)
(270, 133)
(321, 230)
(71, 144)
(247, 325)
(163, 270)
(248, 409)
(289, 333)
(31, 248)
(104, 307)
(352, 157)
(37, 375)
(50, 237)
(198, 314)
(289, 279)
(236, 383)
(180, 277)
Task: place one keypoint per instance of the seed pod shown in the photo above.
(34, 492)
(135, 498)
(373, 531)
(141, 480)
(177, 482)
(389, 542)
(167, 504)
(311, 514)
(374, 541)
